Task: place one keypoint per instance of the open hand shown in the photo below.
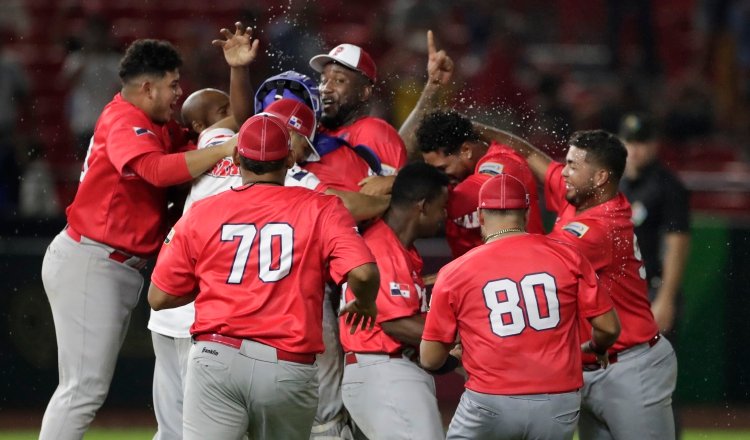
(239, 48)
(359, 315)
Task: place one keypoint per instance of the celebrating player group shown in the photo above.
(288, 298)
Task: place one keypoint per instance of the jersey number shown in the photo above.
(247, 232)
(507, 316)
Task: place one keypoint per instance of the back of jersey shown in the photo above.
(261, 254)
(516, 301)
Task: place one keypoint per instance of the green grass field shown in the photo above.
(147, 434)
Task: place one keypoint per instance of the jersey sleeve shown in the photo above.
(441, 324)
(398, 295)
(345, 249)
(592, 301)
(297, 176)
(385, 141)
(214, 136)
(130, 137)
(174, 272)
(554, 187)
(590, 238)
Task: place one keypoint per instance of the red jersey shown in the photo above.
(605, 235)
(340, 169)
(377, 134)
(462, 227)
(260, 265)
(110, 192)
(401, 293)
(516, 302)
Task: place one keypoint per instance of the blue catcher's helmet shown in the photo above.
(289, 84)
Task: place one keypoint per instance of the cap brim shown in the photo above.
(314, 156)
(318, 62)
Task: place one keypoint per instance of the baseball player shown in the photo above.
(347, 79)
(449, 142)
(345, 137)
(594, 217)
(515, 302)
(91, 269)
(256, 268)
(387, 395)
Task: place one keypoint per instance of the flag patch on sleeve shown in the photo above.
(169, 236)
(578, 229)
(140, 131)
(491, 168)
(398, 289)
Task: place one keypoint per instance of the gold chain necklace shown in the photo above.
(501, 232)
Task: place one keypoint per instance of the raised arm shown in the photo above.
(538, 160)
(240, 50)
(439, 73)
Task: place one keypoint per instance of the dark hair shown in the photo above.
(262, 167)
(417, 181)
(151, 57)
(444, 131)
(603, 148)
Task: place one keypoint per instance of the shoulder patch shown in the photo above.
(169, 236)
(398, 289)
(141, 131)
(491, 168)
(578, 229)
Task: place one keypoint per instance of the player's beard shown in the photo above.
(345, 111)
(579, 196)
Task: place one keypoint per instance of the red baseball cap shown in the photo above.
(295, 114)
(503, 192)
(264, 138)
(349, 55)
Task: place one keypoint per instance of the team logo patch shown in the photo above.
(141, 131)
(398, 289)
(169, 236)
(295, 122)
(491, 168)
(576, 228)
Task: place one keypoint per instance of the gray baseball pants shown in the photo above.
(91, 297)
(631, 399)
(531, 417)
(391, 398)
(170, 368)
(230, 391)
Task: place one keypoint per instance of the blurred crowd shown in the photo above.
(538, 68)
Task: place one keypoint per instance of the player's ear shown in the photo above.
(365, 92)
(481, 217)
(291, 158)
(601, 177)
(465, 150)
(236, 157)
(147, 87)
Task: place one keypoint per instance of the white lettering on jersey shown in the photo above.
(468, 221)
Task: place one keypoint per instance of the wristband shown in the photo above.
(451, 363)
